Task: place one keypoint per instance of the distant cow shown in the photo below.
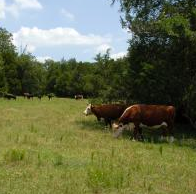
(25, 95)
(50, 96)
(9, 96)
(146, 115)
(39, 96)
(28, 95)
(108, 112)
(78, 97)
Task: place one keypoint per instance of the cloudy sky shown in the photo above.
(65, 28)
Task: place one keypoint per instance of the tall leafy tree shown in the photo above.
(8, 61)
(162, 51)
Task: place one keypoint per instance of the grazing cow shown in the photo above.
(78, 97)
(39, 96)
(50, 96)
(25, 95)
(146, 115)
(9, 96)
(108, 112)
(30, 96)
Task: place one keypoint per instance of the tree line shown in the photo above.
(160, 67)
(22, 72)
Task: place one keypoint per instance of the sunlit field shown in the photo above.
(51, 147)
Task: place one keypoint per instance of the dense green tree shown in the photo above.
(162, 52)
(31, 74)
(52, 74)
(8, 62)
(3, 83)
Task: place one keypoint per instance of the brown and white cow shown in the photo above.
(108, 112)
(25, 95)
(78, 97)
(28, 95)
(146, 115)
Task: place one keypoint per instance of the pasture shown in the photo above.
(51, 147)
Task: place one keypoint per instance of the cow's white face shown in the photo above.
(88, 111)
(118, 129)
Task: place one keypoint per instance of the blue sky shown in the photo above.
(65, 28)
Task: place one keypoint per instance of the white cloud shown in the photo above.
(30, 48)
(2, 9)
(103, 48)
(43, 59)
(118, 55)
(35, 37)
(28, 4)
(67, 14)
(13, 10)
(18, 5)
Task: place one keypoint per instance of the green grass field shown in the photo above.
(51, 147)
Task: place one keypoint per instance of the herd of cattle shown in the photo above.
(26, 95)
(125, 116)
(139, 115)
(39, 96)
(31, 96)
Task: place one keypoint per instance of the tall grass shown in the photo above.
(51, 147)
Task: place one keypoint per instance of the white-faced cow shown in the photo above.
(108, 112)
(25, 94)
(146, 115)
(28, 95)
(78, 97)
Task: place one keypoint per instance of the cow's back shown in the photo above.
(148, 114)
(156, 114)
(110, 111)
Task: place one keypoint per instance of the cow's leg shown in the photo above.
(164, 133)
(135, 132)
(106, 122)
(110, 123)
(170, 131)
(140, 133)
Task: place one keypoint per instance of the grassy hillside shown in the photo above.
(51, 147)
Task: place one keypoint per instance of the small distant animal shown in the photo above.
(25, 95)
(9, 96)
(108, 112)
(39, 96)
(78, 97)
(50, 96)
(30, 96)
(146, 115)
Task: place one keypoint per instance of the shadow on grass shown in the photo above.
(184, 135)
(92, 125)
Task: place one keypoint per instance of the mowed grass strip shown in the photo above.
(51, 147)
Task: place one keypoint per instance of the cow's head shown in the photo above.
(88, 111)
(118, 129)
